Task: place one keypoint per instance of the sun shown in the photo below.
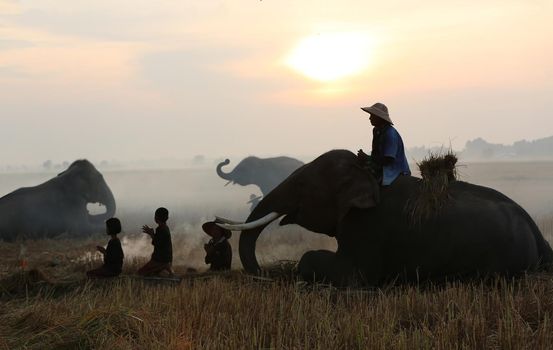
(331, 56)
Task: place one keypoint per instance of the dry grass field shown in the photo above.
(51, 305)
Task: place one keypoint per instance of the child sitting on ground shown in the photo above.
(162, 257)
(113, 254)
(218, 250)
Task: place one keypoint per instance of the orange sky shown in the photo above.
(146, 80)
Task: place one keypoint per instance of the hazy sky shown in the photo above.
(137, 79)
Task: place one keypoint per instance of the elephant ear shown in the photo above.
(360, 190)
(73, 182)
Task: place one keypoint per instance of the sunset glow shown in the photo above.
(209, 75)
(331, 56)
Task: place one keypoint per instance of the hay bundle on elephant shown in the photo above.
(479, 231)
(57, 206)
(438, 171)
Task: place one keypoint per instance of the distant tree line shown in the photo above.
(480, 149)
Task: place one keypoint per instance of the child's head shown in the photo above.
(113, 226)
(161, 215)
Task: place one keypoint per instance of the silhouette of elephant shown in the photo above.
(266, 173)
(479, 231)
(58, 205)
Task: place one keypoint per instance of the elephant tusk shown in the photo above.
(221, 220)
(228, 182)
(251, 225)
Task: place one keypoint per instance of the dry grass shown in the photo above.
(55, 307)
(439, 165)
(437, 171)
(237, 312)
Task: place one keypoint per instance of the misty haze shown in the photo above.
(197, 194)
(276, 174)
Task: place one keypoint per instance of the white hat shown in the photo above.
(380, 110)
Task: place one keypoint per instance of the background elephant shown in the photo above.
(266, 173)
(478, 231)
(58, 205)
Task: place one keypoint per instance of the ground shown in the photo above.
(50, 304)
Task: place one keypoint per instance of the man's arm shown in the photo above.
(208, 247)
(390, 146)
(149, 231)
(362, 156)
(101, 249)
(108, 252)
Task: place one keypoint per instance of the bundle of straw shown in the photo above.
(438, 170)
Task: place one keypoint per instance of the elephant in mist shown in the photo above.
(478, 232)
(266, 173)
(58, 205)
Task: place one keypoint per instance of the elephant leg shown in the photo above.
(326, 267)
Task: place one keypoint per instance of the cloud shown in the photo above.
(9, 7)
(7, 44)
(208, 75)
(126, 20)
(92, 62)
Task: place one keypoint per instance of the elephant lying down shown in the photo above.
(479, 231)
(57, 206)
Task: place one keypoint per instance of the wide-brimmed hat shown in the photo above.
(210, 227)
(380, 110)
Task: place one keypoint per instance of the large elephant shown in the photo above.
(58, 205)
(266, 173)
(478, 231)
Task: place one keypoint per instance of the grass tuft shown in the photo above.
(438, 170)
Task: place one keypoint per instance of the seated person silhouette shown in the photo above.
(218, 249)
(113, 253)
(162, 256)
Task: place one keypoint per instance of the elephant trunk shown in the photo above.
(108, 201)
(246, 250)
(248, 238)
(221, 173)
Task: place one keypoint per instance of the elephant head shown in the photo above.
(317, 197)
(243, 174)
(84, 183)
(266, 173)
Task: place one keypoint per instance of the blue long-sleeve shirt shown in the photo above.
(388, 143)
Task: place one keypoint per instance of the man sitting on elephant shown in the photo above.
(387, 160)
